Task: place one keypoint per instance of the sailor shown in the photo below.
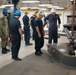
(39, 34)
(26, 28)
(53, 27)
(16, 34)
(4, 31)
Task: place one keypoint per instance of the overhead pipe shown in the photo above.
(15, 2)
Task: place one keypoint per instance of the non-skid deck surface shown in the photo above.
(36, 65)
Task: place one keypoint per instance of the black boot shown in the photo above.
(16, 58)
(7, 50)
(40, 52)
(4, 50)
(37, 53)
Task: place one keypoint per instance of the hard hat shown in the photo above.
(4, 10)
(17, 13)
(26, 11)
(36, 14)
(40, 13)
(53, 10)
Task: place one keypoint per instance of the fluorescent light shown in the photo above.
(31, 1)
(34, 7)
(23, 8)
(56, 7)
(45, 5)
(8, 5)
(50, 6)
(2, 7)
(71, 0)
(53, 6)
(43, 9)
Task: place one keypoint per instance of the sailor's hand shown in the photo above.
(22, 37)
(58, 26)
(47, 25)
(39, 35)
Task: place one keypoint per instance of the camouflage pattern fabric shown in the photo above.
(4, 31)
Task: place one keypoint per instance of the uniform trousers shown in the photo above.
(26, 34)
(16, 42)
(53, 35)
(39, 42)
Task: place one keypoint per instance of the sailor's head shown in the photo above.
(53, 11)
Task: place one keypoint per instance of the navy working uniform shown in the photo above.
(26, 29)
(15, 36)
(53, 28)
(33, 26)
(39, 41)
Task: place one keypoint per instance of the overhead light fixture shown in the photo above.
(2, 7)
(23, 8)
(43, 9)
(31, 1)
(34, 7)
(8, 5)
(71, 0)
(56, 7)
(44, 5)
(53, 6)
